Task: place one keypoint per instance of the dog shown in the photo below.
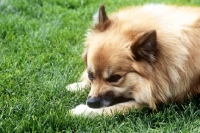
(140, 57)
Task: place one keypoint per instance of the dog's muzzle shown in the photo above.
(94, 102)
(108, 99)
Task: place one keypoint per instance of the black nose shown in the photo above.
(93, 102)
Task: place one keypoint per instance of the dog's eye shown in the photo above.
(90, 76)
(114, 78)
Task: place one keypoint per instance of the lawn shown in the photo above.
(41, 42)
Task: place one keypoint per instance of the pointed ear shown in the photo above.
(145, 48)
(100, 18)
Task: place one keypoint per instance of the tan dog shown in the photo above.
(140, 56)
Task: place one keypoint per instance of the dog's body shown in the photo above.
(139, 57)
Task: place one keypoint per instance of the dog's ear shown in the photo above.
(145, 48)
(100, 18)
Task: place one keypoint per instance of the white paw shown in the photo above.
(76, 86)
(80, 109)
(84, 110)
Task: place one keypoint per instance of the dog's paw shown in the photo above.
(80, 109)
(76, 86)
(83, 110)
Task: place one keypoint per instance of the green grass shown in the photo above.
(41, 42)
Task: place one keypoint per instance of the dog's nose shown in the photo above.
(93, 102)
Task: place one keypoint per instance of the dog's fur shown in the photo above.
(141, 56)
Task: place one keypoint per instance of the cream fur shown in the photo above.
(175, 73)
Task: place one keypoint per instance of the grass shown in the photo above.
(40, 49)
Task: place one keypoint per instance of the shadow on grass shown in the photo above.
(172, 117)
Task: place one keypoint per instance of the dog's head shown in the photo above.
(119, 62)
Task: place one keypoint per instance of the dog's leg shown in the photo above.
(85, 83)
(85, 111)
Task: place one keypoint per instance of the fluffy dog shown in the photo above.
(140, 56)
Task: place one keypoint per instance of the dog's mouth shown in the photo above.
(120, 99)
(106, 100)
